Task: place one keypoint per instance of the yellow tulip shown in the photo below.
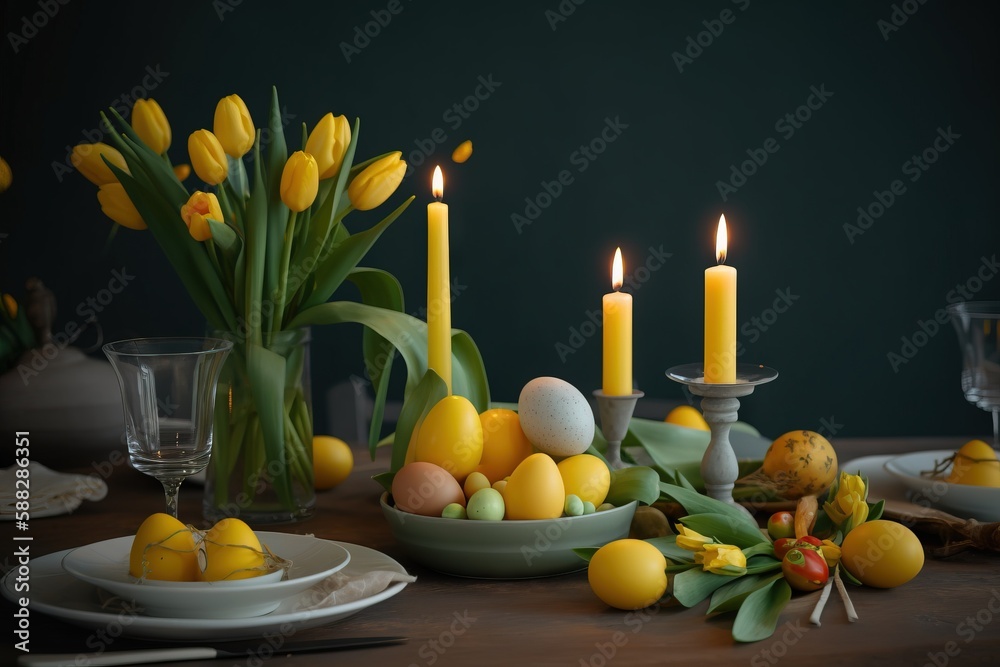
(847, 506)
(299, 181)
(690, 539)
(328, 142)
(150, 123)
(116, 205)
(182, 171)
(87, 160)
(722, 559)
(208, 157)
(376, 182)
(10, 303)
(6, 175)
(233, 126)
(831, 552)
(199, 208)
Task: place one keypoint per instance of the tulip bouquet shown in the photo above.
(261, 253)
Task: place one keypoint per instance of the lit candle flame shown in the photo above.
(437, 184)
(617, 272)
(721, 240)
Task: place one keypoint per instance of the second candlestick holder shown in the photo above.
(616, 413)
(720, 405)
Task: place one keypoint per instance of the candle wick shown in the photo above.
(438, 198)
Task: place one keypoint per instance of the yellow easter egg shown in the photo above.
(585, 476)
(451, 436)
(504, 443)
(535, 489)
(163, 549)
(231, 550)
(688, 416)
(975, 464)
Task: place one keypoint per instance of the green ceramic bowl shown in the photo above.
(504, 549)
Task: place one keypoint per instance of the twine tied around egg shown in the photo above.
(940, 467)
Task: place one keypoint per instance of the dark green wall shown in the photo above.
(886, 95)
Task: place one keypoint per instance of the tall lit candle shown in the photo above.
(438, 284)
(720, 315)
(617, 335)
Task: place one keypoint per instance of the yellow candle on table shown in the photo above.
(438, 284)
(720, 315)
(617, 335)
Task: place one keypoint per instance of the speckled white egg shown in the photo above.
(556, 417)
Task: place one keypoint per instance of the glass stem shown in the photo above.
(171, 490)
(996, 429)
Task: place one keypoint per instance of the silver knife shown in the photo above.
(148, 655)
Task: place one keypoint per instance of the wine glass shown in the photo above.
(168, 389)
(978, 327)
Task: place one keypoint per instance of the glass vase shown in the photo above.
(250, 476)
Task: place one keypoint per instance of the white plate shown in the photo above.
(58, 594)
(105, 565)
(963, 500)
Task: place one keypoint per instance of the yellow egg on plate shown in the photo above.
(230, 550)
(163, 549)
(975, 464)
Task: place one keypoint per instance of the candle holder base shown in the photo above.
(615, 412)
(720, 405)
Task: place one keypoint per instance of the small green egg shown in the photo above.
(573, 506)
(453, 511)
(486, 505)
(588, 507)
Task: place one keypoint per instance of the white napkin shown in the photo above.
(340, 588)
(52, 493)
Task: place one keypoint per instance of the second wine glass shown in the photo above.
(168, 390)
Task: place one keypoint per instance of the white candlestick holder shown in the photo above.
(720, 404)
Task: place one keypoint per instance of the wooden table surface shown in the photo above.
(948, 615)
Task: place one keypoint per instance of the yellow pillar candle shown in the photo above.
(617, 335)
(438, 284)
(720, 315)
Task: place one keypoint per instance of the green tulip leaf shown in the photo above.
(586, 553)
(875, 510)
(342, 258)
(668, 547)
(695, 503)
(633, 483)
(726, 529)
(731, 596)
(277, 212)
(224, 236)
(758, 615)
(694, 585)
(378, 288)
(385, 480)
(263, 365)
